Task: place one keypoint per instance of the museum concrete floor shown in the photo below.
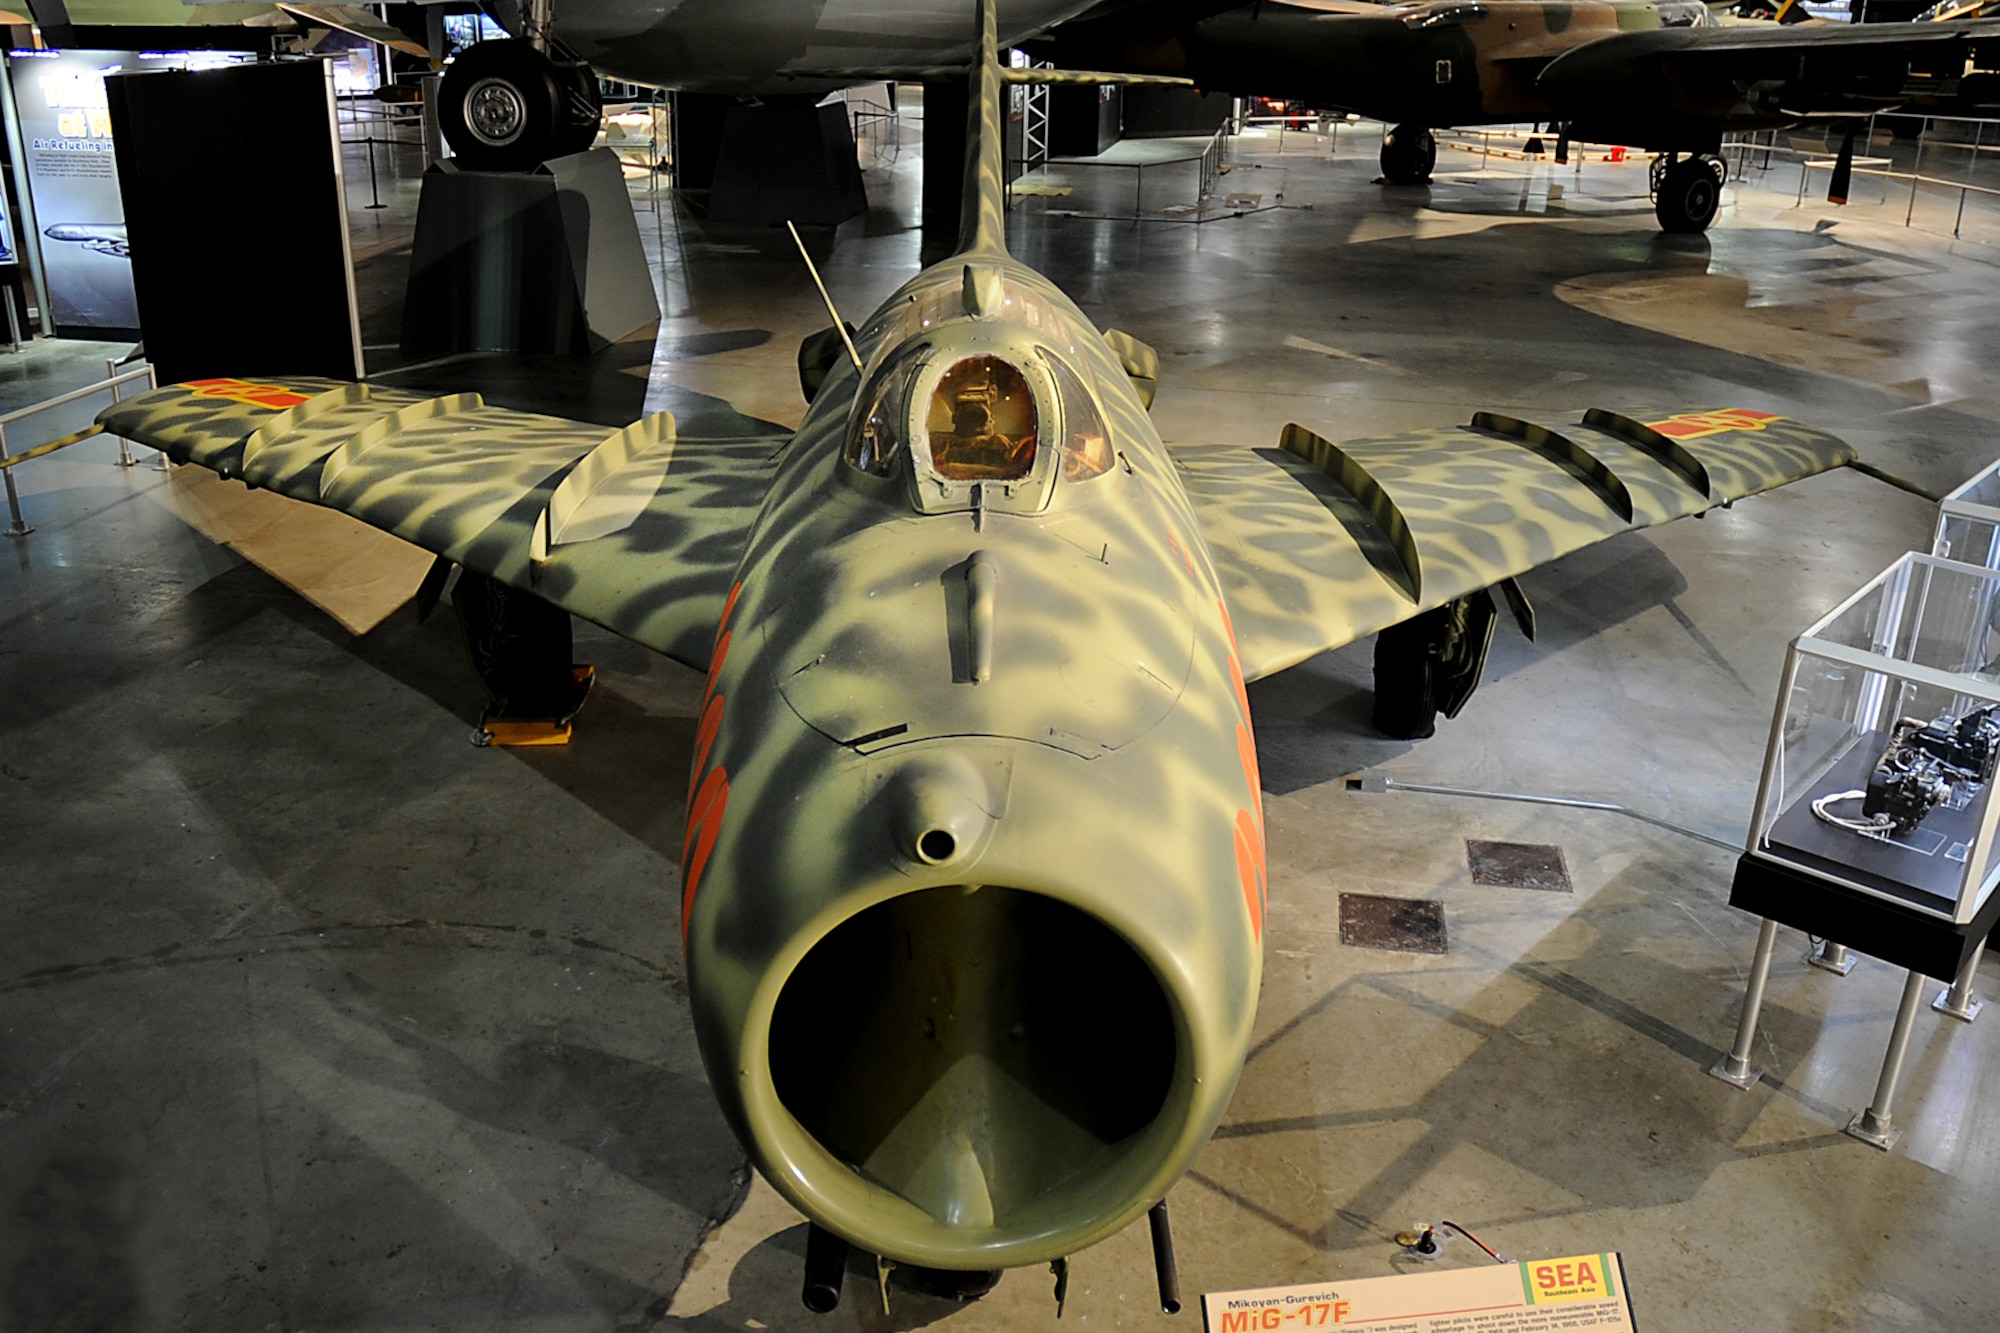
(314, 1016)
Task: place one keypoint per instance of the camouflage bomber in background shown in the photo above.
(973, 883)
(1663, 75)
(1434, 62)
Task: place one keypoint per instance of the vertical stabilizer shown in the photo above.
(982, 212)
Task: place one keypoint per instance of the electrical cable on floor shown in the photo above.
(1869, 826)
(1375, 780)
(1491, 1253)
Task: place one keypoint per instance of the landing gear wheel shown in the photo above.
(504, 106)
(1406, 702)
(1687, 197)
(583, 108)
(1408, 154)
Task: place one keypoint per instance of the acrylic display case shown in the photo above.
(1880, 773)
(1968, 521)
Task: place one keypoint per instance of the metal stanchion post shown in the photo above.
(1971, 170)
(374, 192)
(117, 396)
(1831, 957)
(1917, 170)
(19, 526)
(1875, 1125)
(1957, 1001)
(1735, 1068)
(160, 459)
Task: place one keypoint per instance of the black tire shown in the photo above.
(519, 647)
(1688, 197)
(582, 109)
(1408, 154)
(1406, 704)
(502, 106)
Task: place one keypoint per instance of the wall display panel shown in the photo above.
(73, 178)
(66, 133)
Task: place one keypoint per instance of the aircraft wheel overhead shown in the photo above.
(504, 106)
(1687, 197)
(1408, 154)
(583, 107)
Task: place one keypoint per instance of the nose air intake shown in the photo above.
(981, 1052)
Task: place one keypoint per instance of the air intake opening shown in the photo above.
(972, 1049)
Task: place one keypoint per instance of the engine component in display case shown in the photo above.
(1918, 642)
(1925, 766)
(1907, 784)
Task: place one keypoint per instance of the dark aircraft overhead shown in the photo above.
(1663, 75)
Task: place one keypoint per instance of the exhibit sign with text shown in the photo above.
(73, 179)
(66, 132)
(8, 253)
(1580, 1294)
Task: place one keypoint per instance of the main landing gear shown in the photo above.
(505, 106)
(1408, 154)
(1687, 190)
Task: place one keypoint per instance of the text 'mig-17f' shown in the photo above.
(973, 888)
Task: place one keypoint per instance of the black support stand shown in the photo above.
(783, 159)
(944, 166)
(542, 261)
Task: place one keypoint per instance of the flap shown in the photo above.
(1319, 544)
(645, 543)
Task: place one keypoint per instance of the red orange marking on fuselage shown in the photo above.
(1252, 866)
(708, 797)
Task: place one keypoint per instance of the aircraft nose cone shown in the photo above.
(940, 809)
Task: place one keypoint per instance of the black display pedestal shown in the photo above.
(1084, 119)
(1902, 935)
(1172, 113)
(785, 159)
(541, 261)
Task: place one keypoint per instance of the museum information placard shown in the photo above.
(1583, 1293)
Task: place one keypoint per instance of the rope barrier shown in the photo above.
(63, 443)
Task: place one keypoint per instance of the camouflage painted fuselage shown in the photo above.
(1035, 898)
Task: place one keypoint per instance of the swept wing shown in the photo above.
(637, 530)
(1320, 544)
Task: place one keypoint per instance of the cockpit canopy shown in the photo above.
(976, 415)
(982, 423)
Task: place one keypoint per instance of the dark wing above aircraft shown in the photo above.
(1776, 73)
(638, 530)
(1319, 544)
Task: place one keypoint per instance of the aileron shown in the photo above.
(1315, 558)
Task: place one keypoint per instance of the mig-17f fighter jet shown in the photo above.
(1662, 75)
(973, 885)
